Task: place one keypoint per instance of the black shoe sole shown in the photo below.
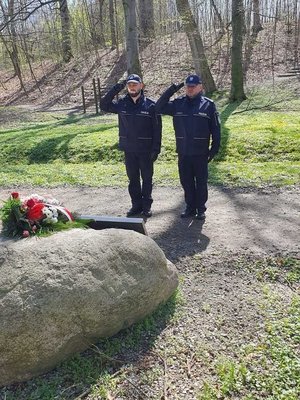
(134, 214)
(192, 215)
(147, 216)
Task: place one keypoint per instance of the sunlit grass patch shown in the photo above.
(259, 147)
(88, 174)
(254, 174)
(261, 137)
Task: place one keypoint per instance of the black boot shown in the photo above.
(188, 212)
(134, 211)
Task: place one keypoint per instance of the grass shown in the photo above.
(271, 368)
(259, 147)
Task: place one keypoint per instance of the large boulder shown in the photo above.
(59, 294)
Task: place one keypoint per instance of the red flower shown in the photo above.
(15, 195)
(25, 234)
(30, 203)
(35, 213)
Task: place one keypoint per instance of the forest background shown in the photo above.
(49, 49)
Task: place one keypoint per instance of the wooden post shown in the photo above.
(83, 99)
(95, 96)
(117, 30)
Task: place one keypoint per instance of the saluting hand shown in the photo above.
(120, 86)
(178, 86)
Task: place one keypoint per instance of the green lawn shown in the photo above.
(258, 148)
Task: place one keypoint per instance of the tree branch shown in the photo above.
(23, 13)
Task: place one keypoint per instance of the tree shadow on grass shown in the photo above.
(225, 114)
(71, 119)
(99, 364)
(55, 148)
(215, 175)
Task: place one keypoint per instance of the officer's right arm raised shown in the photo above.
(163, 105)
(106, 103)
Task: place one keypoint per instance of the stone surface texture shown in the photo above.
(59, 294)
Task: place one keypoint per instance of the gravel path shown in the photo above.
(261, 221)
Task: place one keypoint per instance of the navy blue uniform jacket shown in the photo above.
(139, 125)
(196, 123)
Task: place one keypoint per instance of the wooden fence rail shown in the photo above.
(91, 95)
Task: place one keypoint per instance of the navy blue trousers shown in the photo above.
(193, 173)
(140, 165)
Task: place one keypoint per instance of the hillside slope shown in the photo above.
(165, 60)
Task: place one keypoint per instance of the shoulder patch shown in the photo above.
(179, 98)
(150, 100)
(208, 99)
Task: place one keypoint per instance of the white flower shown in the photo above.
(51, 200)
(42, 199)
(51, 214)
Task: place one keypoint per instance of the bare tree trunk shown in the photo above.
(297, 33)
(132, 49)
(112, 22)
(252, 38)
(28, 55)
(12, 49)
(257, 26)
(65, 30)
(237, 82)
(196, 44)
(15, 61)
(101, 37)
(14, 53)
(218, 15)
(274, 41)
(146, 22)
(117, 28)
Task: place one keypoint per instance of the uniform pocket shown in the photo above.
(200, 145)
(144, 143)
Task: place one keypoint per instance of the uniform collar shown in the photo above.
(192, 99)
(140, 99)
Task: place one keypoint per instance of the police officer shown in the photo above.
(139, 138)
(197, 130)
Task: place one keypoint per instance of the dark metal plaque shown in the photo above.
(104, 222)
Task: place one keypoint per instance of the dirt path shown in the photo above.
(261, 221)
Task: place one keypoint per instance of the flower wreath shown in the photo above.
(33, 215)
